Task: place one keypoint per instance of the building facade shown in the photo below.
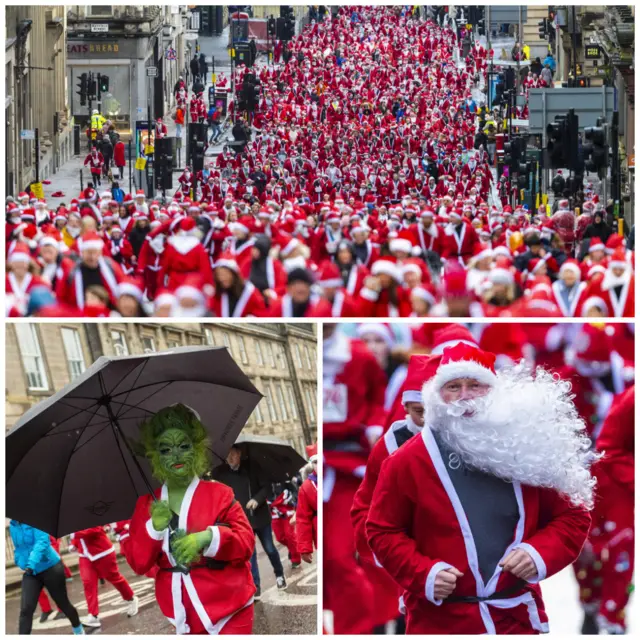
(280, 360)
(35, 94)
(122, 43)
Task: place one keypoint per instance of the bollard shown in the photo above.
(81, 183)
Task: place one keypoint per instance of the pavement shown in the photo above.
(289, 612)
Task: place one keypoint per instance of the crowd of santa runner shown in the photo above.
(359, 194)
(450, 528)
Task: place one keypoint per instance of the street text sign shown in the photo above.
(152, 72)
(100, 28)
(27, 134)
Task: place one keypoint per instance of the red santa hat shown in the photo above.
(288, 244)
(387, 265)
(421, 369)
(244, 224)
(51, 238)
(90, 240)
(464, 361)
(20, 253)
(593, 351)
(194, 288)
(328, 275)
(427, 213)
(425, 292)
(185, 225)
(594, 302)
(595, 269)
(131, 286)
(28, 215)
(450, 336)
(403, 242)
(312, 452)
(140, 194)
(228, 261)
(571, 265)
(618, 259)
(381, 329)
(596, 245)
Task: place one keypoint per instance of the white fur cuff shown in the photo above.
(369, 294)
(155, 535)
(431, 580)
(538, 561)
(214, 546)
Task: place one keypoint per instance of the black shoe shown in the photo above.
(102, 580)
(45, 616)
(589, 625)
(60, 615)
(257, 595)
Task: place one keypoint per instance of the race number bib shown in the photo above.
(335, 403)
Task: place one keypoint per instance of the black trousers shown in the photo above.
(54, 581)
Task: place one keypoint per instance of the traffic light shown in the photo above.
(543, 29)
(103, 83)
(571, 149)
(92, 88)
(557, 132)
(83, 85)
(512, 153)
(287, 23)
(596, 152)
(480, 21)
(271, 26)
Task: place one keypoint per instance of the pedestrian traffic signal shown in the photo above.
(83, 85)
(543, 29)
(595, 149)
(557, 131)
(92, 88)
(104, 83)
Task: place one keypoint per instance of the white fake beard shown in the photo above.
(524, 430)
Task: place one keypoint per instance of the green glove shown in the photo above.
(186, 550)
(160, 515)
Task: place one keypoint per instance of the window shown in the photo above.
(196, 341)
(311, 403)
(281, 403)
(292, 403)
(226, 340)
(282, 361)
(258, 414)
(307, 356)
(272, 360)
(259, 353)
(32, 359)
(272, 408)
(298, 356)
(73, 349)
(243, 351)
(173, 343)
(148, 344)
(99, 11)
(208, 337)
(119, 342)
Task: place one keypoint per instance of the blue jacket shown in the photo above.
(33, 548)
(550, 60)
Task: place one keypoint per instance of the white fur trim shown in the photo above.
(400, 244)
(501, 276)
(214, 545)
(127, 288)
(462, 369)
(183, 244)
(571, 266)
(597, 247)
(17, 256)
(48, 241)
(411, 267)
(229, 264)
(374, 431)
(438, 349)
(390, 269)
(90, 244)
(155, 535)
(335, 282)
(237, 226)
(594, 301)
(423, 294)
(411, 396)
(289, 247)
(190, 292)
(369, 294)
(431, 579)
(377, 329)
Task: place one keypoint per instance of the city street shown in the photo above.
(292, 611)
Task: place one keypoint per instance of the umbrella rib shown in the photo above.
(145, 399)
(104, 426)
(125, 375)
(144, 364)
(130, 408)
(59, 433)
(144, 386)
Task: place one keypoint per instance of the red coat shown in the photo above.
(183, 255)
(21, 291)
(355, 281)
(353, 403)
(307, 515)
(283, 308)
(428, 240)
(276, 274)
(250, 304)
(119, 154)
(415, 531)
(623, 307)
(92, 543)
(373, 304)
(70, 290)
(203, 600)
(460, 245)
(572, 311)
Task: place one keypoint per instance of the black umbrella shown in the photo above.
(276, 459)
(70, 464)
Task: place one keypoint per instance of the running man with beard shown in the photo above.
(492, 497)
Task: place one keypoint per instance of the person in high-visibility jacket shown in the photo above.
(97, 120)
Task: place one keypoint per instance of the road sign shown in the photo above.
(152, 72)
(100, 28)
(27, 134)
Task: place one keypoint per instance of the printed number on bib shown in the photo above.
(335, 403)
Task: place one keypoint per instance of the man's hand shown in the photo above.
(160, 515)
(307, 557)
(445, 583)
(520, 564)
(252, 504)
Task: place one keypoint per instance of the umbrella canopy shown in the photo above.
(69, 462)
(276, 459)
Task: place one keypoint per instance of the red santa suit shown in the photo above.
(250, 304)
(307, 515)
(353, 389)
(70, 290)
(417, 527)
(97, 559)
(276, 274)
(217, 594)
(605, 584)
(183, 255)
(22, 290)
(282, 510)
(283, 307)
(459, 242)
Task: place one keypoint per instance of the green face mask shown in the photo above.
(176, 455)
